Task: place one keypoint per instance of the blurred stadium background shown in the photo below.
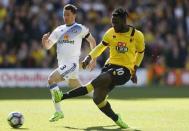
(24, 63)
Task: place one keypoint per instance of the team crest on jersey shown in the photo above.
(121, 47)
(74, 31)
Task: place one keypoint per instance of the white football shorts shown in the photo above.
(69, 70)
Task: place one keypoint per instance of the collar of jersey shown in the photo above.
(70, 25)
(124, 33)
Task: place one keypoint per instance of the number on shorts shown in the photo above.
(63, 67)
(120, 71)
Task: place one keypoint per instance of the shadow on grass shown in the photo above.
(20, 128)
(100, 128)
(117, 93)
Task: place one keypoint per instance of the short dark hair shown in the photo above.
(120, 12)
(71, 7)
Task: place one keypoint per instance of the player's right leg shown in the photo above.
(53, 79)
(101, 80)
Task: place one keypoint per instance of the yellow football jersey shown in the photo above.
(124, 46)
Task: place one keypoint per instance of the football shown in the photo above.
(15, 119)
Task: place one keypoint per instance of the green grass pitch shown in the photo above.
(146, 109)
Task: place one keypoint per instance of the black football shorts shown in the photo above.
(120, 74)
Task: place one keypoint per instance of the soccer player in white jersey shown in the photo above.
(68, 38)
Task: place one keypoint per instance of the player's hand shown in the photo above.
(86, 61)
(45, 38)
(92, 64)
(134, 79)
(134, 76)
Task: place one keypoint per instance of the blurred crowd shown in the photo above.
(165, 24)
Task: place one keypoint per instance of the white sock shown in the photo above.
(56, 105)
(90, 94)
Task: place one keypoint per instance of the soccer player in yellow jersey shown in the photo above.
(126, 46)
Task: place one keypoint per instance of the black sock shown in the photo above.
(75, 92)
(107, 110)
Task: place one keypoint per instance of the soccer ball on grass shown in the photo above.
(15, 119)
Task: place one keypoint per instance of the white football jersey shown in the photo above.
(68, 40)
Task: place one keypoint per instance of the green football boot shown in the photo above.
(121, 123)
(56, 116)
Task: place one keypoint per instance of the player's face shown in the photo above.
(118, 23)
(69, 17)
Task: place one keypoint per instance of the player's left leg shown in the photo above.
(102, 79)
(53, 79)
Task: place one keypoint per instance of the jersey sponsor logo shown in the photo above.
(121, 47)
(66, 40)
(66, 37)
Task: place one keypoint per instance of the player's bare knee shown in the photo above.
(97, 83)
(102, 80)
(50, 80)
(73, 84)
(98, 98)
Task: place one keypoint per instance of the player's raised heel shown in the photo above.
(57, 95)
(121, 123)
(56, 116)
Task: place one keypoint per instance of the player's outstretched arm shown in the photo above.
(97, 51)
(47, 44)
